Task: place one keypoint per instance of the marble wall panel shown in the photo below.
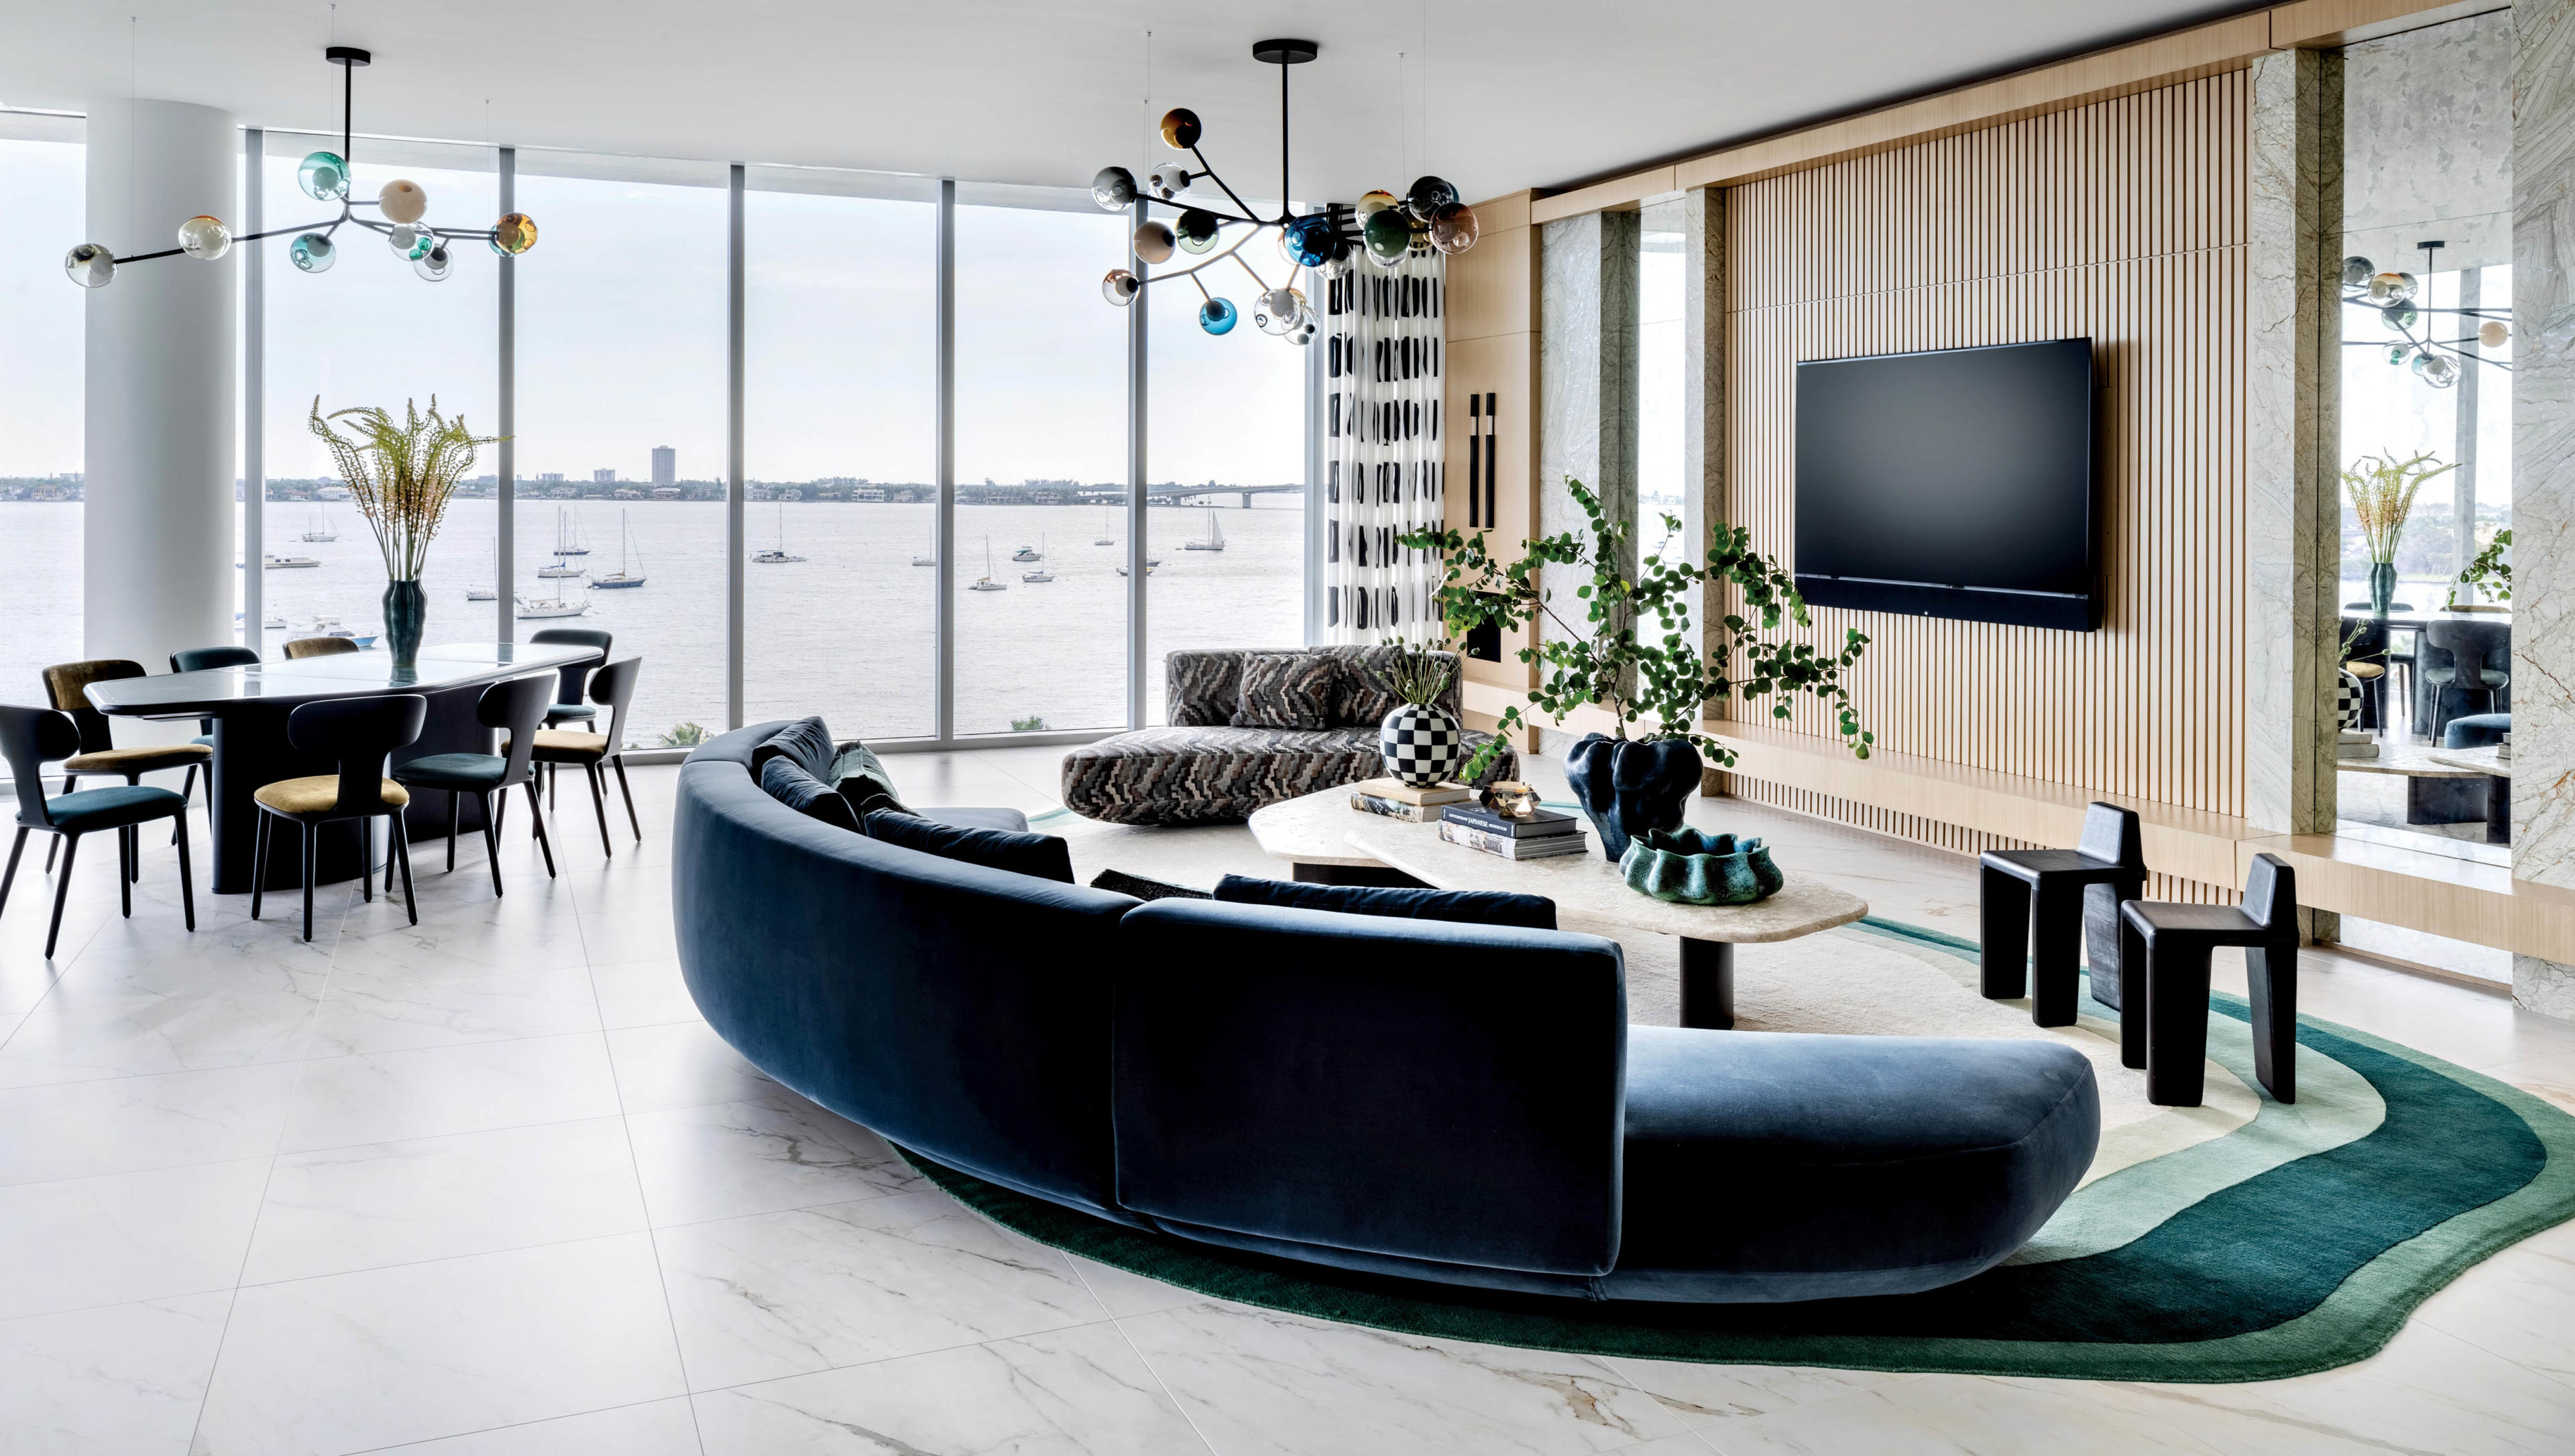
(1587, 376)
(2427, 143)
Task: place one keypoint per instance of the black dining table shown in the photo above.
(249, 705)
(2413, 622)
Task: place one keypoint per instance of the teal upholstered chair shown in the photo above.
(29, 737)
(199, 659)
(65, 684)
(516, 708)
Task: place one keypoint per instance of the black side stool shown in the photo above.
(2164, 960)
(2076, 892)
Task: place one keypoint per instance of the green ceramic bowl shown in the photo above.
(1687, 868)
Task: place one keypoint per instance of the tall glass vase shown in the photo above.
(406, 615)
(2382, 587)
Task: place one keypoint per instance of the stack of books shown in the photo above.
(2356, 745)
(1399, 800)
(1543, 835)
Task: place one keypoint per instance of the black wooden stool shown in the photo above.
(2109, 867)
(2164, 960)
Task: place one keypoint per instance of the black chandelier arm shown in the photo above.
(1257, 280)
(1192, 270)
(148, 257)
(1208, 172)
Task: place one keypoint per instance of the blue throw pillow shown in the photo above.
(862, 778)
(806, 741)
(807, 795)
(1473, 907)
(1042, 855)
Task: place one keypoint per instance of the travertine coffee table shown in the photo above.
(1324, 839)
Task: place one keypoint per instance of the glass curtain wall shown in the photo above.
(41, 194)
(1662, 426)
(369, 331)
(623, 352)
(839, 339)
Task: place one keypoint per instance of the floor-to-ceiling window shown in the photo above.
(41, 205)
(622, 353)
(1663, 358)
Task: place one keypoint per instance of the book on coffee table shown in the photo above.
(1395, 791)
(1412, 813)
(1546, 823)
(1506, 847)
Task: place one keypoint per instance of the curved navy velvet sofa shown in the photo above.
(1446, 1101)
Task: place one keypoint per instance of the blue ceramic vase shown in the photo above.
(1628, 787)
(405, 616)
(1687, 868)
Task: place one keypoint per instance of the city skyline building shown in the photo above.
(666, 465)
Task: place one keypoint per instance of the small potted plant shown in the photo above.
(2383, 492)
(402, 476)
(1421, 741)
(2489, 572)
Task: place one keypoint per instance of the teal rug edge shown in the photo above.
(2355, 1321)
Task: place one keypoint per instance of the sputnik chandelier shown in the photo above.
(1385, 227)
(2393, 297)
(324, 176)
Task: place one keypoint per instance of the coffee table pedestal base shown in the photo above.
(1707, 985)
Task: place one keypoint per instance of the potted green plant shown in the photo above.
(1628, 784)
(2382, 492)
(1420, 741)
(2488, 572)
(403, 476)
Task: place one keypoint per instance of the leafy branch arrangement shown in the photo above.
(2489, 572)
(1658, 685)
(1419, 675)
(2382, 492)
(401, 474)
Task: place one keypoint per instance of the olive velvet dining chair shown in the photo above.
(612, 687)
(358, 733)
(320, 647)
(98, 753)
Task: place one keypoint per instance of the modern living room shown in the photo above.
(1282, 739)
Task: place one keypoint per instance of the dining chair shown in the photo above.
(2465, 656)
(320, 647)
(2163, 964)
(516, 706)
(358, 733)
(200, 659)
(98, 753)
(29, 738)
(568, 706)
(612, 687)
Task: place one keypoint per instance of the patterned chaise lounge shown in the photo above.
(1204, 769)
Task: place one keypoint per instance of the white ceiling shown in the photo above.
(1519, 93)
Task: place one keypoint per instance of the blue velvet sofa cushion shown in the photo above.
(1782, 1165)
(791, 785)
(1044, 856)
(861, 777)
(1473, 907)
(1409, 1089)
(1008, 820)
(2476, 731)
(806, 741)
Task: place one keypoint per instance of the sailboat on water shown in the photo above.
(322, 526)
(568, 542)
(487, 594)
(623, 576)
(565, 548)
(984, 583)
(1112, 538)
(1213, 540)
(777, 556)
(1040, 573)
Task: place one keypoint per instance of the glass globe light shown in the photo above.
(205, 237)
(2390, 288)
(1303, 333)
(514, 234)
(2436, 369)
(2398, 353)
(1375, 202)
(2356, 272)
(90, 264)
(1180, 127)
(2400, 315)
(1307, 241)
(314, 253)
(402, 201)
(1167, 181)
(1154, 241)
(1454, 228)
(410, 240)
(1279, 311)
(2494, 333)
(1114, 188)
(324, 176)
(1217, 316)
(434, 264)
(1196, 230)
(1390, 235)
(1426, 196)
(1120, 286)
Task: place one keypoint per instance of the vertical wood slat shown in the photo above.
(2125, 220)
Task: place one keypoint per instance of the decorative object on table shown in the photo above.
(1510, 799)
(1541, 824)
(402, 475)
(2354, 678)
(1626, 785)
(1506, 846)
(1429, 218)
(2382, 489)
(2397, 299)
(1687, 868)
(2489, 572)
(324, 176)
(1420, 742)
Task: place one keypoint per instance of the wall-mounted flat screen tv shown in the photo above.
(1955, 484)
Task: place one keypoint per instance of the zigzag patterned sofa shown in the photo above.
(1204, 769)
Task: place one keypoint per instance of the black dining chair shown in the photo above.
(98, 752)
(516, 708)
(200, 659)
(2465, 658)
(29, 738)
(357, 732)
(612, 687)
(568, 706)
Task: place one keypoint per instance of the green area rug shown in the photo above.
(2206, 1246)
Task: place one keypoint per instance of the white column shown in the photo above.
(163, 343)
(1588, 313)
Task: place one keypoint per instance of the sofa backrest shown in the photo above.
(1420, 1089)
(956, 1009)
(1204, 686)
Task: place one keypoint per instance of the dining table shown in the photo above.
(249, 706)
(2412, 621)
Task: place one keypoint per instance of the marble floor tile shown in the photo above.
(2551, 1079)
(2519, 1305)
(1964, 1415)
(389, 1009)
(391, 1097)
(642, 994)
(372, 1205)
(465, 933)
(26, 976)
(622, 933)
(682, 1064)
(653, 1428)
(1709, 1396)
(60, 1041)
(1260, 1383)
(353, 1362)
(76, 1243)
(1124, 1294)
(1071, 1392)
(780, 1294)
(125, 1124)
(760, 1157)
(123, 1380)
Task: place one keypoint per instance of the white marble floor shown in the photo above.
(490, 1187)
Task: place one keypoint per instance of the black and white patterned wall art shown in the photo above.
(1384, 335)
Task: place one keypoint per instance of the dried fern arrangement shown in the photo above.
(2383, 492)
(401, 474)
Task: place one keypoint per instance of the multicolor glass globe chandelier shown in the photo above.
(1383, 227)
(2397, 298)
(324, 176)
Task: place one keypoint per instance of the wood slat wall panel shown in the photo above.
(2124, 220)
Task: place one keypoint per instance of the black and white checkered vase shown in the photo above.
(1422, 746)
